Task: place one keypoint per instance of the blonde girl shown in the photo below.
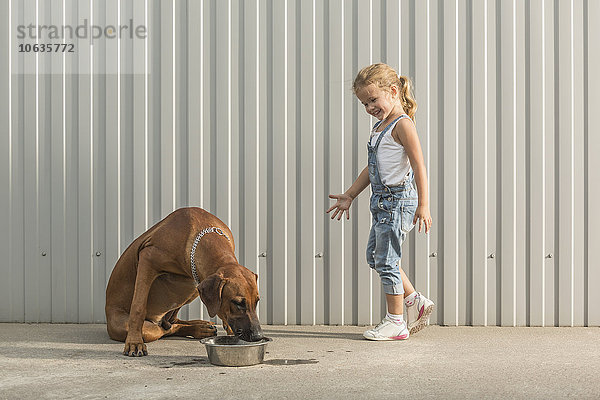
(395, 165)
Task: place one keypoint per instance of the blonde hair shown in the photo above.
(384, 77)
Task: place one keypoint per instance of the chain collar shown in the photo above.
(212, 229)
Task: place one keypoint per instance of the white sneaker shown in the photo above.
(418, 313)
(387, 330)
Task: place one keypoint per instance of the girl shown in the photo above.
(394, 152)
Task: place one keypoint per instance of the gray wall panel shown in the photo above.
(245, 108)
(6, 144)
(592, 167)
(536, 199)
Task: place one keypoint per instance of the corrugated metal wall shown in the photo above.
(245, 108)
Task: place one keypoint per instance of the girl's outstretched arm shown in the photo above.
(345, 200)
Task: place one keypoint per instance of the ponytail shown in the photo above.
(406, 96)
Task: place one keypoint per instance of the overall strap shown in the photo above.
(387, 128)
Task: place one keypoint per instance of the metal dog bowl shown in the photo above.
(231, 351)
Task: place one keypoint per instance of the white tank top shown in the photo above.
(392, 160)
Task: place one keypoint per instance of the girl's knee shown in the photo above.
(389, 275)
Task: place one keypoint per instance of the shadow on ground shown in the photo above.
(70, 355)
(275, 333)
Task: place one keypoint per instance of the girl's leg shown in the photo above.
(408, 287)
(395, 302)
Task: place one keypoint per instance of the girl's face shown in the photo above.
(378, 102)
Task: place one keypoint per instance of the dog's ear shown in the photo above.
(210, 292)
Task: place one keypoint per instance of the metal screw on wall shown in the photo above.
(263, 254)
(98, 254)
(492, 255)
(319, 255)
(434, 254)
(550, 255)
(43, 254)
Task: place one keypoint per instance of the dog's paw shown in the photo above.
(135, 349)
(202, 331)
(212, 330)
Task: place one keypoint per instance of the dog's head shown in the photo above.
(232, 294)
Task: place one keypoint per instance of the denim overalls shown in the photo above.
(393, 209)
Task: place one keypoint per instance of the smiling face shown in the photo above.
(379, 102)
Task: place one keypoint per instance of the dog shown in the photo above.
(188, 254)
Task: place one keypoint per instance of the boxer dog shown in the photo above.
(188, 254)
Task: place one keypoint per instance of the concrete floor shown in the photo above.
(45, 361)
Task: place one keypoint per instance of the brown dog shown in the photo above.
(189, 253)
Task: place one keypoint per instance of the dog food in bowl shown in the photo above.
(230, 351)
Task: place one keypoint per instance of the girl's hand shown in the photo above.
(424, 217)
(342, 204)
